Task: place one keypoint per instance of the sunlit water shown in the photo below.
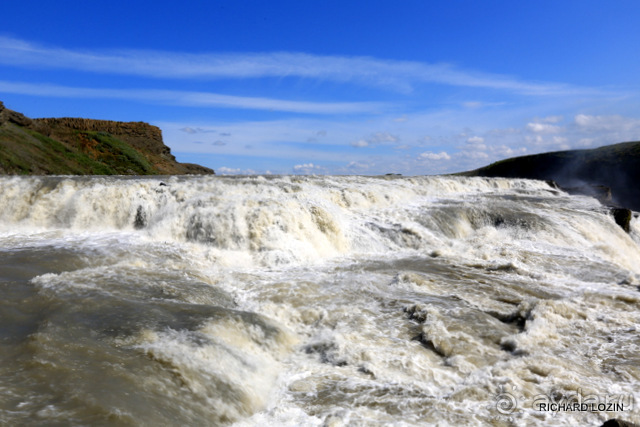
(313, 301)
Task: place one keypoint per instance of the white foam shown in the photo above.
(339, 263)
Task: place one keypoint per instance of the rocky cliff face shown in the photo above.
(10, 116)
(116, 144)
(139, 135)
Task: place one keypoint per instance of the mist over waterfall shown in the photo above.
(308, 300)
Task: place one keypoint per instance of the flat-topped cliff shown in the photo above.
(79, 146)
(140, 135)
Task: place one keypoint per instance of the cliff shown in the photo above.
(593, 172)
(75, 146)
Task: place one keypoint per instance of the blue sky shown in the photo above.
(328, 87)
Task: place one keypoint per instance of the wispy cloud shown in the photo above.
(607, 123)
(377, 138)
(452, 151)
(192, 131)
(428, 155)
(397, 75)
(194, 99)
(223, 170)
(309, 168)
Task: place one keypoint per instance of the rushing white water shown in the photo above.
(314, 301)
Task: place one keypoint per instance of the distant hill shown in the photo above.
(71, 146)
(615, 166)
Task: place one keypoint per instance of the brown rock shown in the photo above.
(140, 135)
(11, 116)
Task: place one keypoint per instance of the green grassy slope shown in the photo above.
(25, 151)
(77, 146)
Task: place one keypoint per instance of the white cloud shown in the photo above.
(358, 166)
(398, 75)
(304, 166)
(551, 119)
(476, 155)
(506, 151)
(435, 156)
(223, 170)
(383, 137)
(184, 98)
(308, 168)
(472, 104)
(354, 168)
(501, 139)
(617, 123)
(477, 142)
(360, 143)
(543, 128)
(588, 121)
(376, 138)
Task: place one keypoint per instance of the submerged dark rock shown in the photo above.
(551, 183)
(141, 219)
(327, 351)
(427, 343)
(614, 422)
(622, 216)
(517, 318)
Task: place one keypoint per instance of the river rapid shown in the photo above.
(314, 301)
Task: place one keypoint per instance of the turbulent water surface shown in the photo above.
(314, 301)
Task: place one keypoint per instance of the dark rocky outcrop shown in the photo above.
(610, 173)
(79, 146)
(622, 216)
(10, 116)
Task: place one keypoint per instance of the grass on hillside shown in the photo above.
(118, 155)
(25, 151)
